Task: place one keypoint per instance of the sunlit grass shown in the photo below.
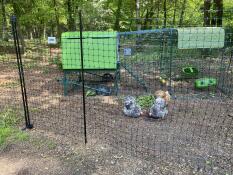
(9, 119)
(12, 84)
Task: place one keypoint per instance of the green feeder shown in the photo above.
(189, 72)
(203, 83)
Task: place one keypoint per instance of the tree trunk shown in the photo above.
(174, 14)
(182, 13)
(157, 18)
(118, 15)
(207, 5)
(165, 14)
(138, 15)
(219, 12)
(44, 32)
(4, 22)
(31, 35)
(57, 18)
(149, 15)
(70, 20)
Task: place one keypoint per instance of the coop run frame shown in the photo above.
(98, 59)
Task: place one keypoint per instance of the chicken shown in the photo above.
(131, 108)
(159, 107)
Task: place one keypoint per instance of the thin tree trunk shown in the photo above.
(149, 15)
(70, 21)
(44, 32)
(31, 35)
(57, 18)
(219, 13)
(174, 14)
(207, 5)
(165, 14)
(118, 15)
(157, 18)
(213, 15)
(4, 22)
(182, 13)
(145, 20)
(138, 15)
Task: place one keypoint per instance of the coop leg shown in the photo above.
(117, 79)
(65, 84)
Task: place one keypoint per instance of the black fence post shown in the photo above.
(28, 124)
(82, 75)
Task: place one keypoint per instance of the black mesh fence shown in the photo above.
(193, 63)
(162, 93)
(10, 89)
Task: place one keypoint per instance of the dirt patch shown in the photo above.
(65, 158)
(11, 166)
(29, 165)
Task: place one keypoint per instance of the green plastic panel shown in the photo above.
(99, 50)
(205, 83)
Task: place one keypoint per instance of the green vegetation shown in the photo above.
(145, 101)
(39, 18)
(9, 119)
(12, 84)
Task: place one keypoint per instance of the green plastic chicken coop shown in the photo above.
(99, 53)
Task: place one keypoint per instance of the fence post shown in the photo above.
(28, 124)
(82, 75)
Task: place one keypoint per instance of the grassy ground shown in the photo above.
(9, 119)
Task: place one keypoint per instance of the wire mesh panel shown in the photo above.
(10, 89)
(51, 109)
(194, 128)
(143, 55)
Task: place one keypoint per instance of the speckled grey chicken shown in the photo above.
(131, 108)
(159, 108)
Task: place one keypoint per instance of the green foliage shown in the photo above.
(4, 134)
(39, 18)
(9, 119)
(145, 101)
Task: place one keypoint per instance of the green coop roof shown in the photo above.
(89, 34)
